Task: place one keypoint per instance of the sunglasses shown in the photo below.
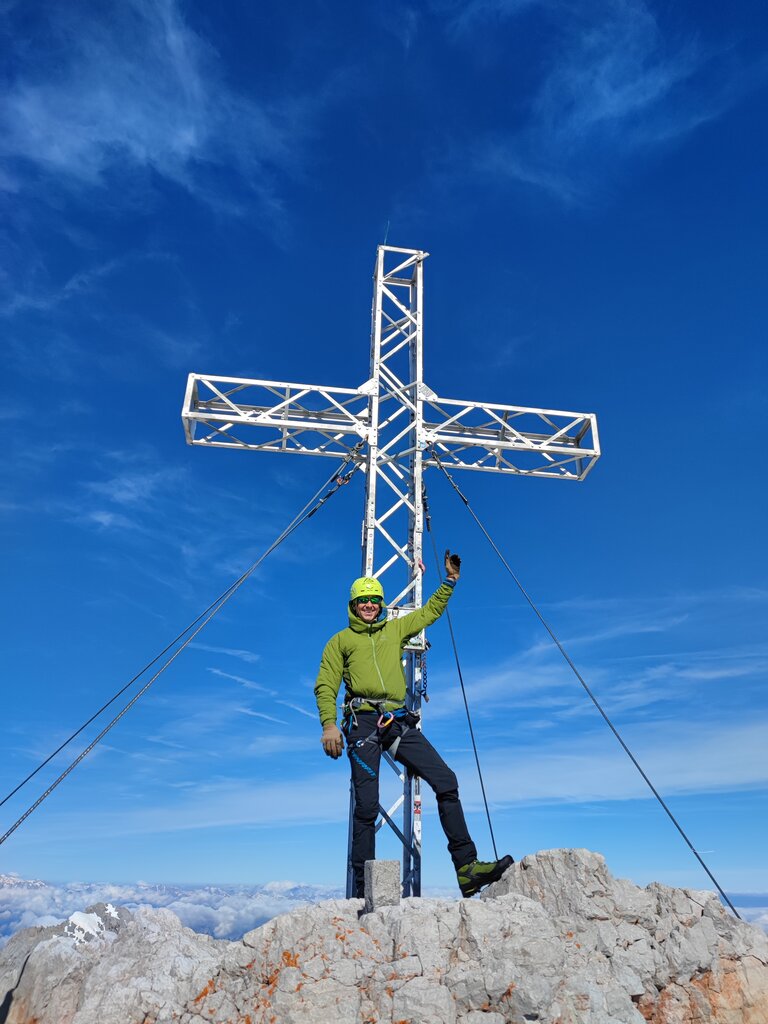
(374, 599)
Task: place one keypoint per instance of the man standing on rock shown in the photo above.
(367, 655)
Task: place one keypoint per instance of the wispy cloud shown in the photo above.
(657, 676)
(109, 520)
(135, 486)
(652, 621)
(45, 299)
(730, 670)
(467, 15)
(247, 683)
(282, 746)
(124, 497)
(260, 714)
(233, 652)
(674, 601)
(310, 799)
(301, 711)
(592, 766)
(617, 68)
(617, 86)
(137, 86)
(405, 27)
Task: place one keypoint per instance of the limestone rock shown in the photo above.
(557, 940)
(382, 884)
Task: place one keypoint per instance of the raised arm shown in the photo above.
(414, 622)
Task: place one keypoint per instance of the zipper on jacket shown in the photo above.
(376, 664)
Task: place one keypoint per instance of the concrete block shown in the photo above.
(382, 884)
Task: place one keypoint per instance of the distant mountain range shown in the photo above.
(13, 881)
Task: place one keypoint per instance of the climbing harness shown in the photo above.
(580, 678)
(401, 716)
(352, 705)
(338, 479)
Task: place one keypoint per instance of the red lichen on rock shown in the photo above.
(209, 989)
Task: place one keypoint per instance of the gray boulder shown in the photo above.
(557, 940)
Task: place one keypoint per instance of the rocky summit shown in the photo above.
(557, 940)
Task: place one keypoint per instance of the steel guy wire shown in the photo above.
(578, 675)
(112, 699)
(157, 657)
(428, 521)
(336, 480)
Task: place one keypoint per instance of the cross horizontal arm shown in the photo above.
(514, 439)
(308, 419)
(313, 419)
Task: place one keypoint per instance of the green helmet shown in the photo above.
(366, 586)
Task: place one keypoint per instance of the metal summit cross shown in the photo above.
(392, 425)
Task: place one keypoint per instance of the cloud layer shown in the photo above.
(223, 912)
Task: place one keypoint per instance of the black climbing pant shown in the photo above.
(416, 753)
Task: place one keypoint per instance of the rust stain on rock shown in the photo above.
(209, 989)
(713, 997)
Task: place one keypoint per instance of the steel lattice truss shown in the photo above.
(395, 427)
(511, 439)
(309, 419)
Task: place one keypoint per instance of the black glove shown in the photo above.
(452, 565)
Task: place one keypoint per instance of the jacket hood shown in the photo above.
(358, 626)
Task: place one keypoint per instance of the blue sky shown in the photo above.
(187, 187)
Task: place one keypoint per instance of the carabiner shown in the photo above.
(385, 720)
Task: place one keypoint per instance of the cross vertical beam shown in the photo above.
(394, 520)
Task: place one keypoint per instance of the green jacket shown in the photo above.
(369, 658)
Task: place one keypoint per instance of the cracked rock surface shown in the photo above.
(557, 940)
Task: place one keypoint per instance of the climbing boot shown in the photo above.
(479, 873)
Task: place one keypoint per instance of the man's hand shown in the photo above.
(332, 740)
(452, 565)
